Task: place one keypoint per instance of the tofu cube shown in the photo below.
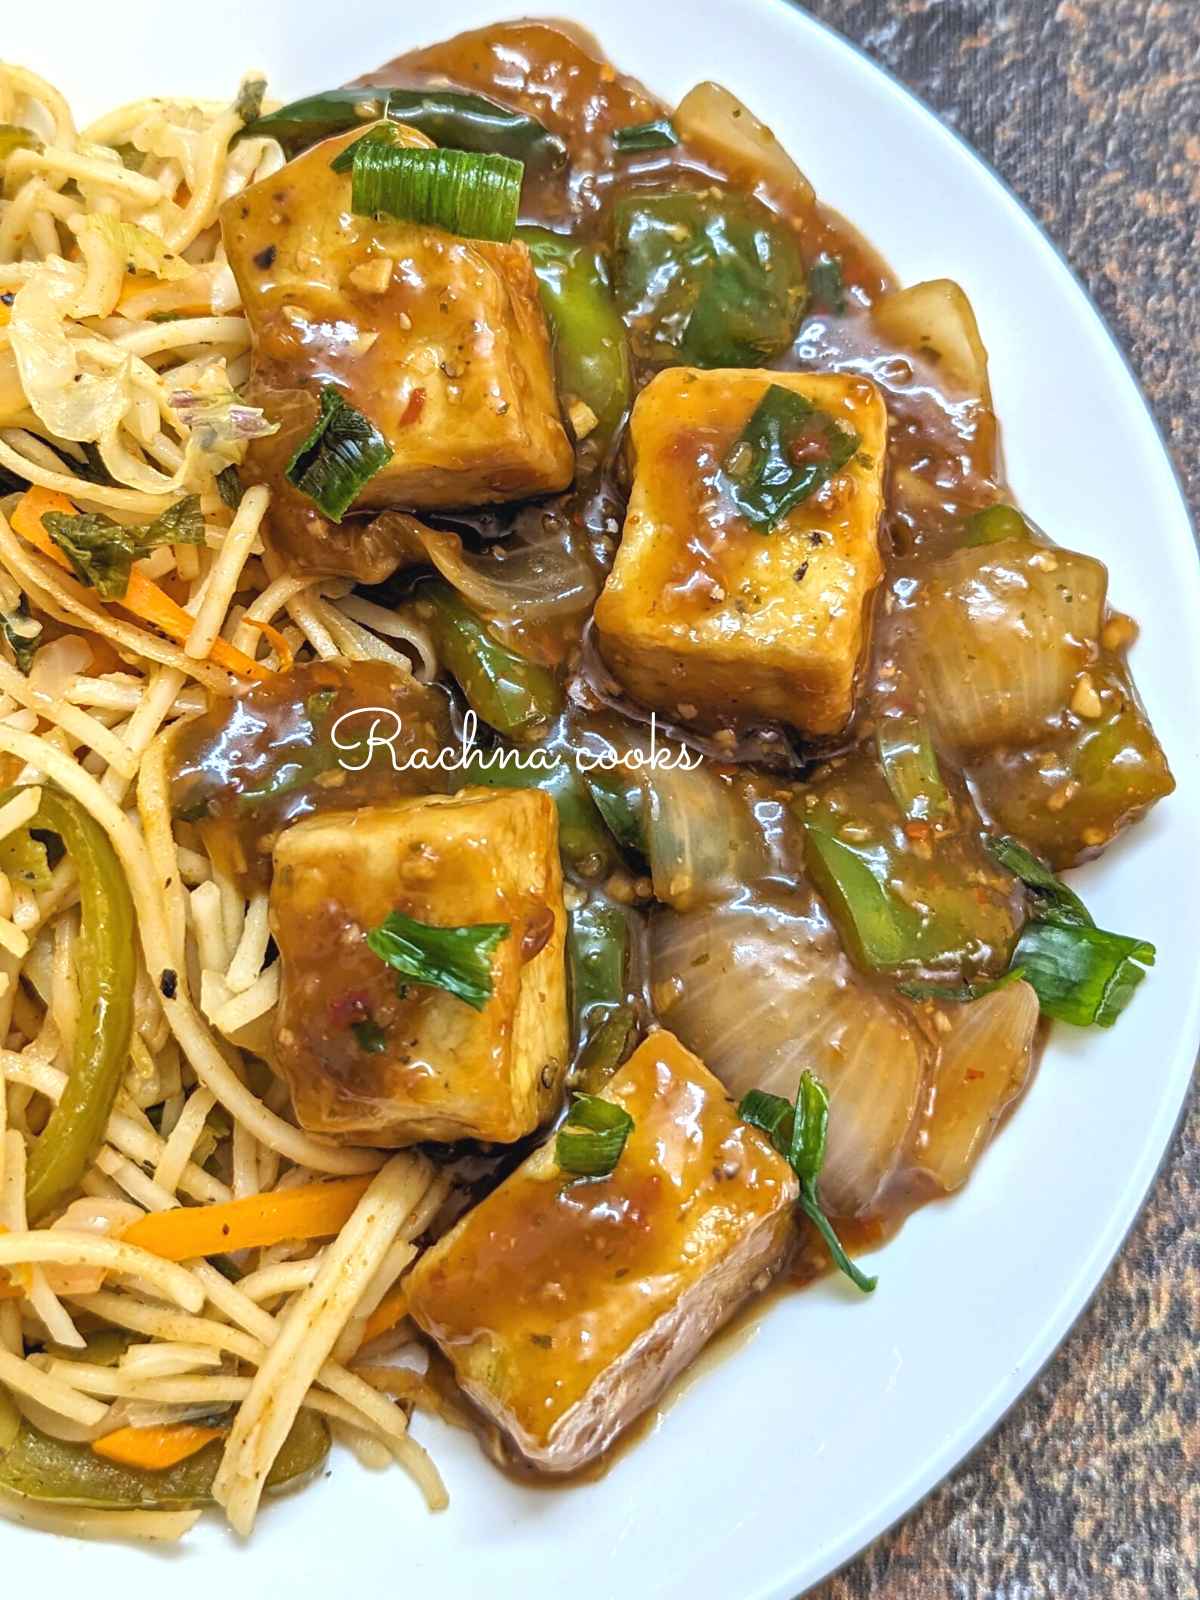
(440, 340)
(566, 1305)
(372, 1058)
(710, 620)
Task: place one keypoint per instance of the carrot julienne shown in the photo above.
(310, 1211)
(154, 1449)
(143, 597)
(392, 1309)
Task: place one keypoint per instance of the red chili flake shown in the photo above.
(349, 1008)
(414, 408)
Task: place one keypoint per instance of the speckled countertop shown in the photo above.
(1090, 109)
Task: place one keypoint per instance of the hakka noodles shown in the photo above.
(490, 407)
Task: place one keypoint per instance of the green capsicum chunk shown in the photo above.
(104, 964)
(447, 116)
(515, 696)
(591, 353)
(583, 839)
(906, 895)
(598, 945)
(41, 1468)
(714, 279)
(1070, 796)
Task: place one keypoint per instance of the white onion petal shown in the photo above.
(761, 992)
(982, 1067)
(996, 637)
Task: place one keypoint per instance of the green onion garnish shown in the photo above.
(463, 191)
(102, 551)
(341, 455)
(910, 766)
(656, 135)
(799, 1133)
(590, 1142)
(229, 487)
(382, 133)
(827, 285)
(1081, 974)
(455, 959)
(21, 633)
(1055, 902)
(788, 449)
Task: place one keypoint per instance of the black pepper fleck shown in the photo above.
(168, 983)
(265, 259)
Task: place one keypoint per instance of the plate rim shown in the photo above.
(955, 1457)
(789, 1578)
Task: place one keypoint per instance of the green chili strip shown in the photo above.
(104, 967)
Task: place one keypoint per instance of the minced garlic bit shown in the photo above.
(1086, 701)
(374, 276)
(1118, 631)
(581, 417)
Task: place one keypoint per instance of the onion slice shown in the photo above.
(983, 1065)
(717, 123)
(760, 992)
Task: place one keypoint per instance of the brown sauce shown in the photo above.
(1065, 783)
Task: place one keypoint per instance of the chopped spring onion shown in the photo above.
(219, 418)
(826, 285)
(1081, 974)
(656, 135)
(340, 456)
(102, 551)
(787, 450)
(800, 1134)
(455, 959)
(1055, 902)
(22, 633)
(590, 1142)
(229, 487)
(910, 766)
(463, 191)
(381, 133)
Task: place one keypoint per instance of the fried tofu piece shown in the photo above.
(376, 1059)
(710, 620)
(439, 340)
(567, 1305)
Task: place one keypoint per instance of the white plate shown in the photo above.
(780, 1462)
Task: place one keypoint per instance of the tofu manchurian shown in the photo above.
(728, 937)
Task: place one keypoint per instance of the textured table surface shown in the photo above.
(1090, 109)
